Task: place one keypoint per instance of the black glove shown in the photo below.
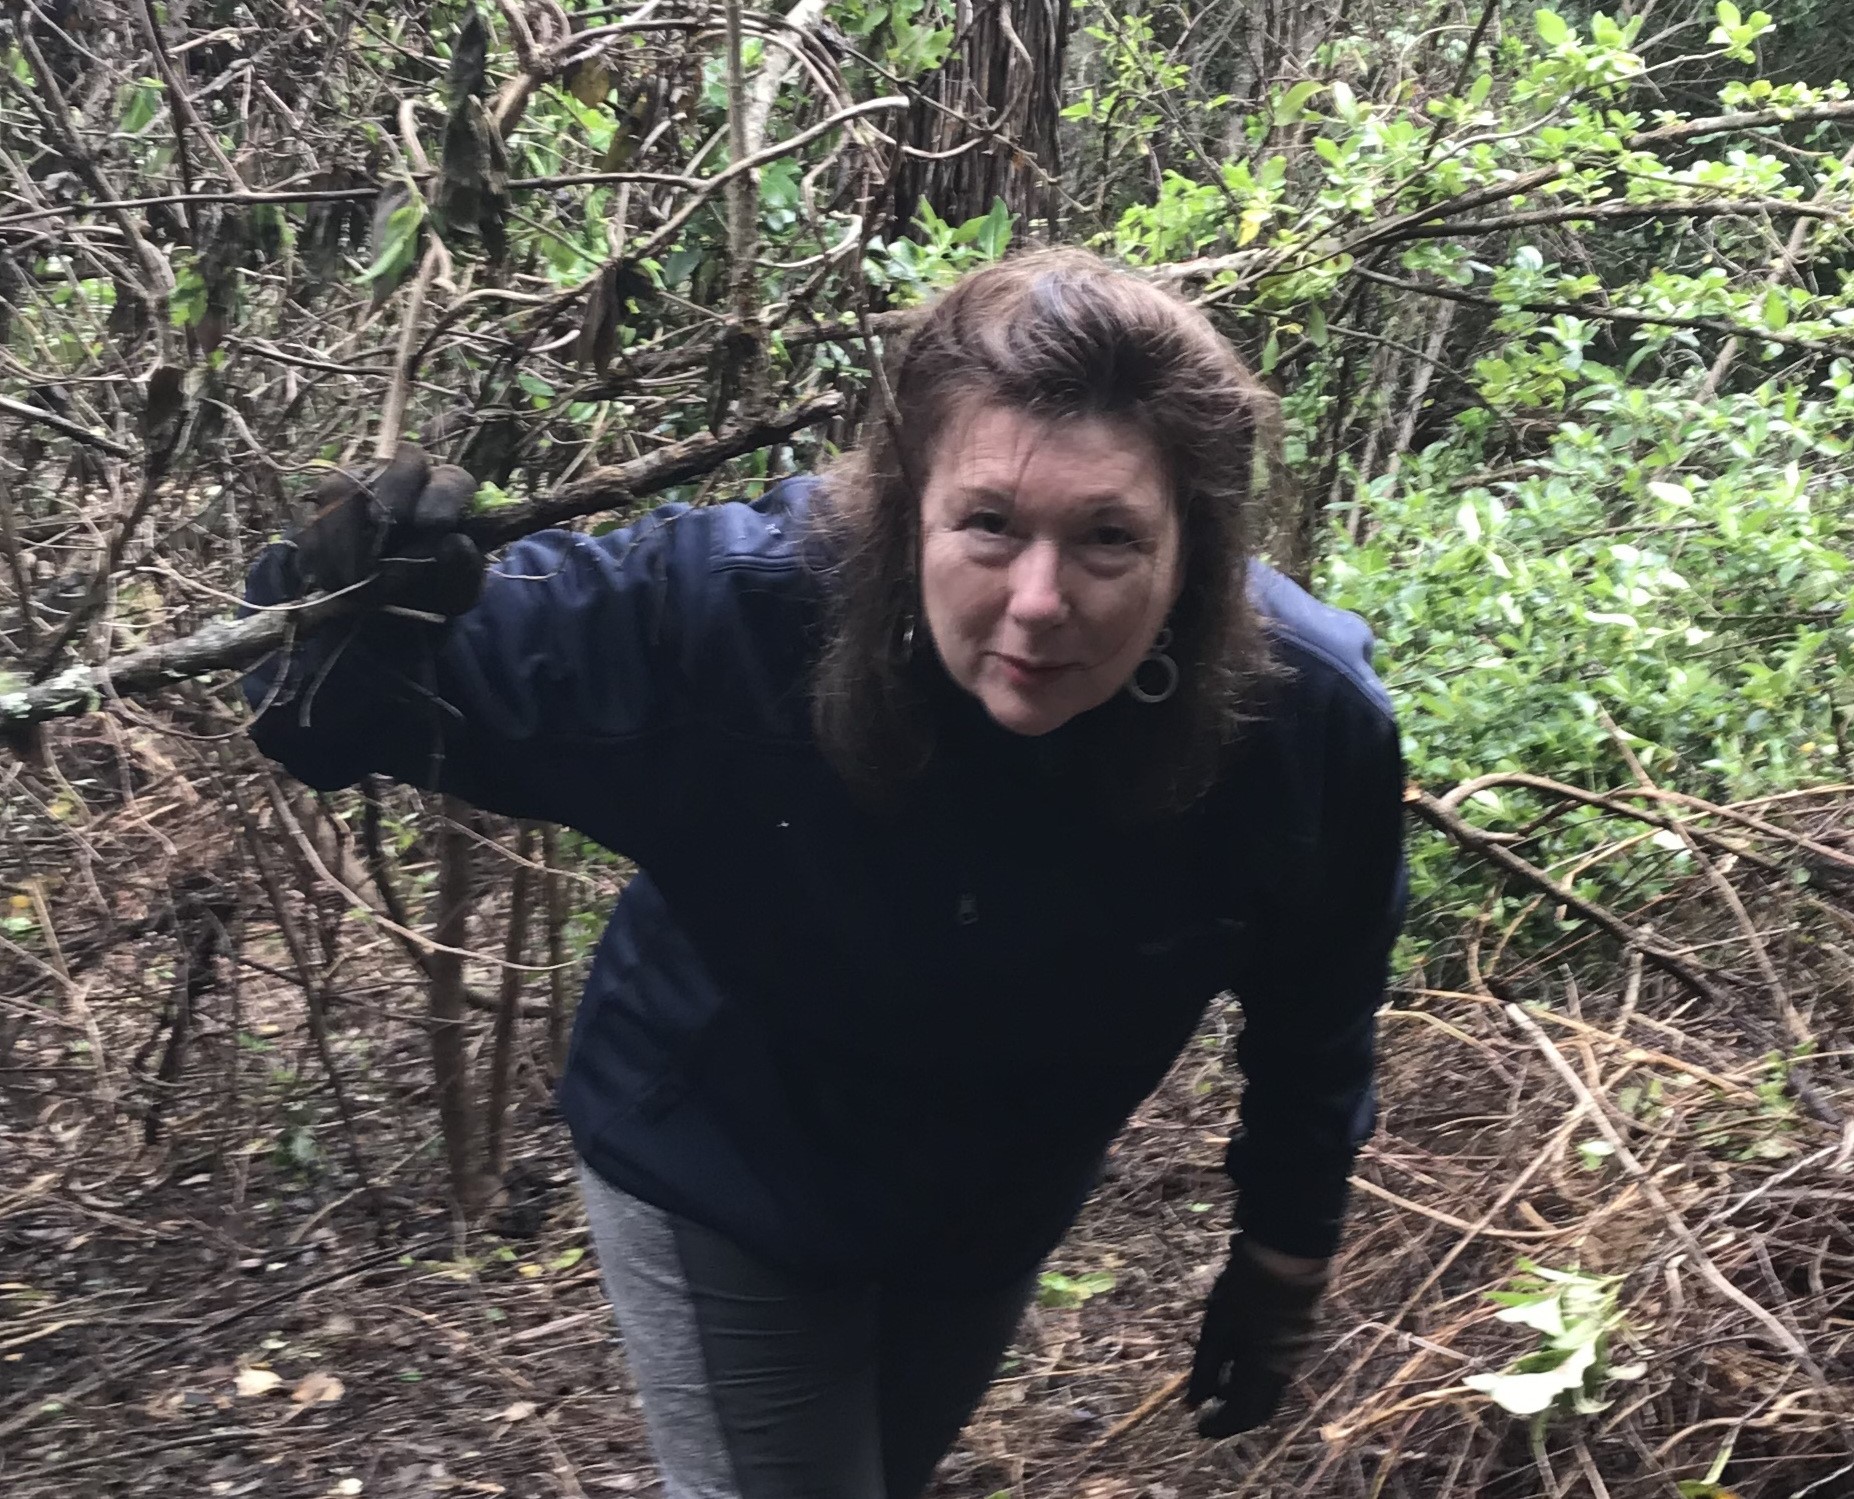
(1258, 1330)
(398, 523)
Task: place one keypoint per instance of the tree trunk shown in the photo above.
(986, 120)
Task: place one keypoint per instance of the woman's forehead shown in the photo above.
(1006, 455)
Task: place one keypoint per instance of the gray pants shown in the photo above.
(757, 1386)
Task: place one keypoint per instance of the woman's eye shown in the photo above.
(987, 522)
(1112, 536)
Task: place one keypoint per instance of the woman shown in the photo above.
(959, 780)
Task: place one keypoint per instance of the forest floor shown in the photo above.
(220, 1314)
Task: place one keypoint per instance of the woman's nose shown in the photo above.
(1036, 585)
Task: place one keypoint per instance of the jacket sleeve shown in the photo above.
(1315, 983)
(553, 698)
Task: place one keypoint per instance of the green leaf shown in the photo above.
(1290, 106)
(397, 244)
(1054, 1289)
(142, 105)
(1541, 1313)
(1593, 1153)
(1776, 309)
(995, 237)
(1728, 15)
(1533, 1391)
(1553, 31)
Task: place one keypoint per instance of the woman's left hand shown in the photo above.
(1257, 1331)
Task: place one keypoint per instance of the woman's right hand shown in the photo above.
(398, 523)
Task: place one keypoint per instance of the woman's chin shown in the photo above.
(1026, 713)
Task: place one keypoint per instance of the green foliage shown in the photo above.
(1591, 544)
(902, 32)
(1679, 567)
(911, 270)
(1735, 32)
(398, 245)
(140, 103)
(1575, 1315)
(1058, 1290)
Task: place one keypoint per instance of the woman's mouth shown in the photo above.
(1021, 671)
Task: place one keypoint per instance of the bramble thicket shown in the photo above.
(1557, 305)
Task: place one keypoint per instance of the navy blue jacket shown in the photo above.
(886, 1042)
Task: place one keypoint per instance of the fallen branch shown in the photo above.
(230, 645)
(1440, 817)
(1471, 838)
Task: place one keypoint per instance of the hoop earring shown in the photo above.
(1155, 659)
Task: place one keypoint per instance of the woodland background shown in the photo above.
(1558, 306)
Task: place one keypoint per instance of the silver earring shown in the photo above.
(1155, 661)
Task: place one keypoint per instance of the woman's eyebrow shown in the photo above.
(1101, 504)
(1114, 506)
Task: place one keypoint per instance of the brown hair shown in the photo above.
(1056, 334)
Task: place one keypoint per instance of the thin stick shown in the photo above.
(393, 412)
(457, 1112)
(1139, 1413)
(315, 996)
(502, 1049)
(1580, 212)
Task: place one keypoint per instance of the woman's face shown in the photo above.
(1049, 560)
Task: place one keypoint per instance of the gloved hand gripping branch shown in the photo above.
(395, 528)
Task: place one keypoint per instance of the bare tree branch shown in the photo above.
(1625, 315)
(1568, 213)
(65, 425)
(230, 645)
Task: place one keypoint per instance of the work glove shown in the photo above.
(398, 523)
(1258, 1330)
